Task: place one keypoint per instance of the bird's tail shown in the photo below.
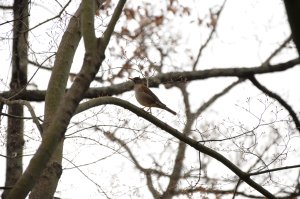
(170, 110)
(163, 106)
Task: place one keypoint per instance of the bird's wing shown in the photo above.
(150, 93)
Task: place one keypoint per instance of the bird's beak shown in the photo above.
(130, 78)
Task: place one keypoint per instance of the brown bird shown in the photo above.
(146, 97)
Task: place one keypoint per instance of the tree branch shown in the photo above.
(71, 75)
(16, 116)
(217, 96)
(117, 89)
(87, 26)
(210, 35)
(147, 172)
(196, 145)
(279, 99)
(30, 109)
(50, 19)
(4, 7)
(112, 23)
(285, 42)
(275, 169)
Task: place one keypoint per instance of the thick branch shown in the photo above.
(54, 95)
(112, 23)
(226, 72)
(166, 77)
(87, 26)
(196, 145)
(62, 66)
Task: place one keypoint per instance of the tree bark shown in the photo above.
(15, 127)
(54, 95)
(292, 9)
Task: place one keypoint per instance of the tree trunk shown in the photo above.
(15, 140)
(55, 93)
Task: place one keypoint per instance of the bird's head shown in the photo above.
(136, 80)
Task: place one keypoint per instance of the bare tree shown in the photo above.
(188, 159)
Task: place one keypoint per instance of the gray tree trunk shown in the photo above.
(15, 140)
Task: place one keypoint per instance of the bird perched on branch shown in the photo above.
(146, 97)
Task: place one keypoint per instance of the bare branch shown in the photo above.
(217, 96)
(20, 18)
(30, 109)
(194, 144)
(147, 172)
(112, 23)
(273, 170)
(279, 99)
(210, 36)
(50, 19)
(16, 116)
(166, 77)
(72, 75)
(87, 177)
(285, 42)
(6, 7)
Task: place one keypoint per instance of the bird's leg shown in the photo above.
(147, 109)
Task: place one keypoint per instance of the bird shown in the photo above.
(146, 97)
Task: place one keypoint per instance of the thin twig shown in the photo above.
(209, 37)
(275, 169)
(24, 87)
(279, 99)
(285, 42)
(217, 96)
(90, 179)
(236, 188)
(16, 117)
(20, 18)
(147, 172)
(99, 79)
(50, 19)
